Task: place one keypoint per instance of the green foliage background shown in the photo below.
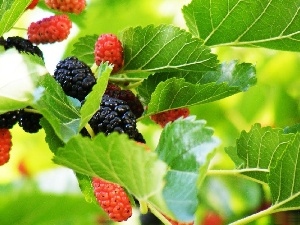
(273, 101)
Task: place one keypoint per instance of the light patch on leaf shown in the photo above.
(19, 74)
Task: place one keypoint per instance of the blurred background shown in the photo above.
(33, 190)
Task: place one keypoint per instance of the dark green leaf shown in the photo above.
(85, 184)
(186, 145)
(201, 87)
(53, 141)
(260, 148)
(292, 129)
(284, 179)
(55, 106)
(270, 24)
(84, 49)
(164, 48)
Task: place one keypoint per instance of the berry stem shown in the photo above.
(134, 85)
(19, 28)
(143, 207)
(237, 173)
(122, 80)
(90, 130)
(31, 110)
(160, 216)
(253, 217)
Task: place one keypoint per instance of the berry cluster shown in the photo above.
(118, 110)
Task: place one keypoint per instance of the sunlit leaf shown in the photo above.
(270, 24)
(18, 81)
(10, 12)
(260, 149)
(196, 87)
(164, 48)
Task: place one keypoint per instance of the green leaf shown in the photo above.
(186, 145)
(245, 23)
(53, 141)
(56, 107)
(164, 48)
(284, 177)
(260, 149)
(117, 159)
(42, 208)
(292, 129)
(84, 49)
(201, 87)
(93, 99)
(18, 81)
(85, 184)
(10, 12)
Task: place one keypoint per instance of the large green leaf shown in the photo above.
(18, 80)
(56, 107)
(117, 159)
(284, 179)
(164, 48)
(186, 145)
(259, 149)
(10, 12)
(271, 23)
(195, 88)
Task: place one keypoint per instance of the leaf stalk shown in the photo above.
(253, 217)
(158, 214)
